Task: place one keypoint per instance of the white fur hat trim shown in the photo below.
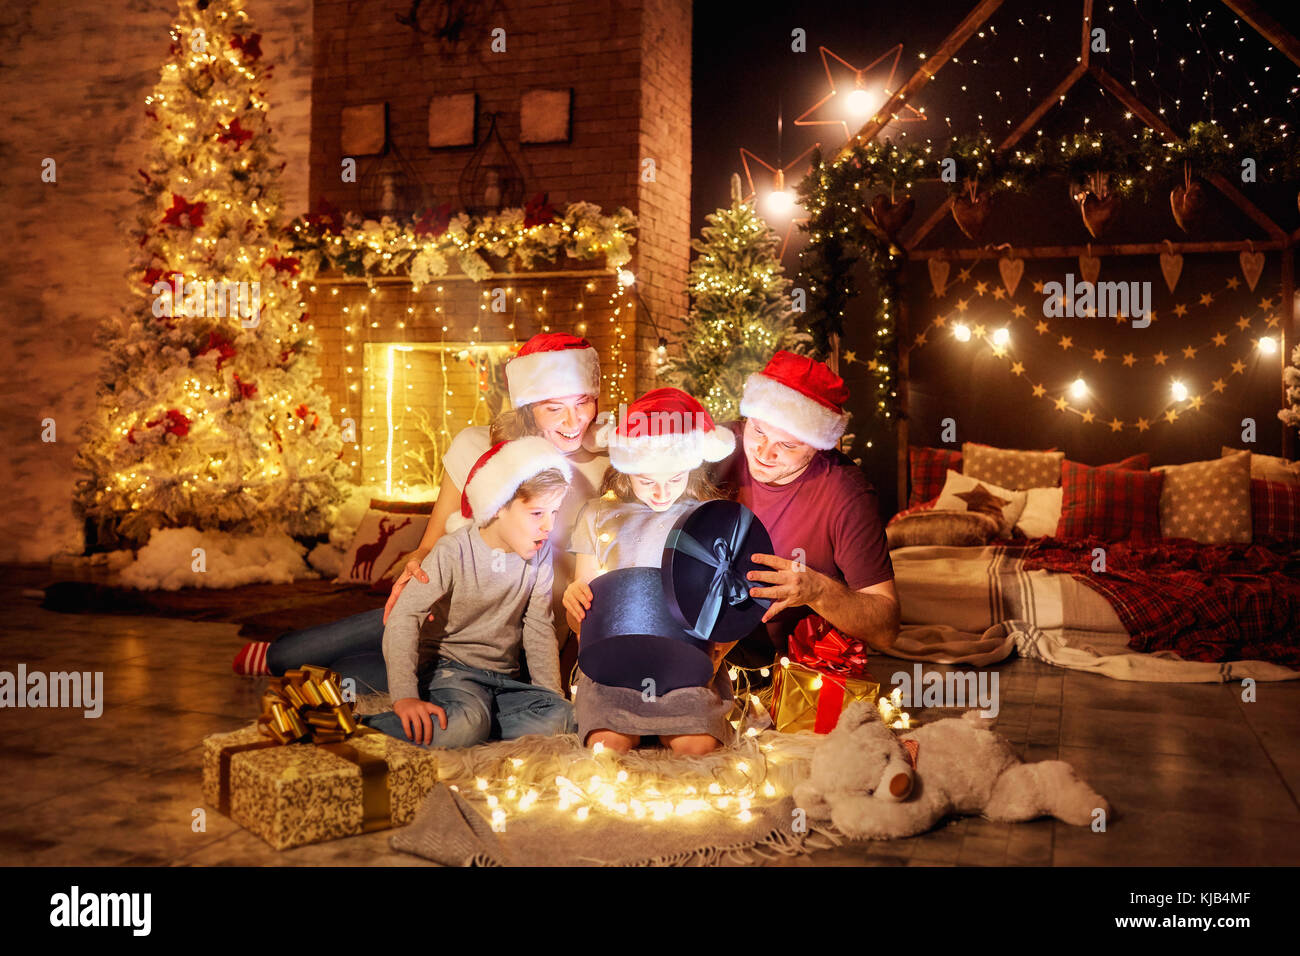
(494, 484)
(808, 420)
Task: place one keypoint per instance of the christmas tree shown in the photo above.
(740, 313)
(206, 415)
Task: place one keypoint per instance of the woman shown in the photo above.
(554, 385)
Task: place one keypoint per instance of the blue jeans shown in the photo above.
(352, 647)
(483, 705)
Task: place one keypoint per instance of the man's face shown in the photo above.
(775, 457)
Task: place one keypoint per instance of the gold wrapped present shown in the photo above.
(299, 793)
(306, 773)
(804, 699)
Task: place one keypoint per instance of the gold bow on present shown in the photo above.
(306, 705)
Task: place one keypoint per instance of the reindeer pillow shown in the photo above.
(381, 538)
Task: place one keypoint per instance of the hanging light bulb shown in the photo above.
(779, 200)
(1002, 336)
(1268, 345)
(961, 332)
(1079, 388)
(860, 102)
(1179, 391)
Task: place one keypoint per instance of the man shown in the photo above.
(832, 557)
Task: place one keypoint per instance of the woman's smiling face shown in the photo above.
(563, 421)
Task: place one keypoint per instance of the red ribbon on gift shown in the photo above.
(817, 645)
(830, 703)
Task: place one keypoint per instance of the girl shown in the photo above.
(554, 383)
(655, 476)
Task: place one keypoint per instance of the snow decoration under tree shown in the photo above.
(740, 313)
(1291, 379)
(207, 415)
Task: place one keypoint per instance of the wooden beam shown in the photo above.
(925, 228)
(1266, 26)
(1123, 249)
(1085, 47)
(1125, 96)
(964, 31)
(1052, 98)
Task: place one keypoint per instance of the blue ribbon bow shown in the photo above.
(728, 585)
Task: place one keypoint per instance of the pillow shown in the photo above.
(933, 526)
(1268, 467)
(1114, 504)
(963, 493)
(1042, 512)
(928, 467)
(1016, 470)
(1207, 501)
(380, 540)
(1275, 514)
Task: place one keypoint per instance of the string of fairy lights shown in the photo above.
(1076, 395)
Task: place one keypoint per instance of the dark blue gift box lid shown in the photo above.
(705, 563)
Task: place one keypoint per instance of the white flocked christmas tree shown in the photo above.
(207, 415)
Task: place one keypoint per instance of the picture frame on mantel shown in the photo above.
(364, 129)
(453, 120)
(546, 116)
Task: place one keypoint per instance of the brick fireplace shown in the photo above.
(411, 368)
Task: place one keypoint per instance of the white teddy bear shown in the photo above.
(873, 784)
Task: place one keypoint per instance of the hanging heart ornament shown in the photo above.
(1171, 267)
(970, 211)
(1252, 266)
(939, 269)
(1011, 270)
(891, 216)
(1089, 267)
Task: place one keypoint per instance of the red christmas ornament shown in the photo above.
(235, 133)
(246, 389)
(184, 213)
(250, 46)
(287, 264)
(538, 212)
(434, 222)
(302, 411)
(177, 424)
(225, 349)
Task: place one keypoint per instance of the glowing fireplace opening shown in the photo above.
(418, 396)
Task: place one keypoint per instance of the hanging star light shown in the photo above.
(858, 104)
(778, 201)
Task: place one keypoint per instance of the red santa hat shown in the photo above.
(550, 365)
(799, 395)
(664, 431)
(492, 482)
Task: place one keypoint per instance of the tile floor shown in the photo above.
(1195, 775)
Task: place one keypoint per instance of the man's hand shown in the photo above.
(415, 718)
(795, 585)
(412, 570)
(577, 600)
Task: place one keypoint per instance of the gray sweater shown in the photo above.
(485, 607)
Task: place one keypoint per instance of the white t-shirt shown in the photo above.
(468, 447)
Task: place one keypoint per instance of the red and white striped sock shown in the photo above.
(251, 659)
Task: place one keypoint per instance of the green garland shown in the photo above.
(838, 195)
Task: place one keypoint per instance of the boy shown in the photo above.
(489, 590)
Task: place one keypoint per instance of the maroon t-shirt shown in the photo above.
(830, 511)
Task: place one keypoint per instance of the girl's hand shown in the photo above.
(415, 715)
(577, 600)
(412, 570)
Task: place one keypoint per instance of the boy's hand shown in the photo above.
(415, 718)
(577, 599)
(412, 570)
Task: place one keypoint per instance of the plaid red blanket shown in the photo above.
(1205, 602)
